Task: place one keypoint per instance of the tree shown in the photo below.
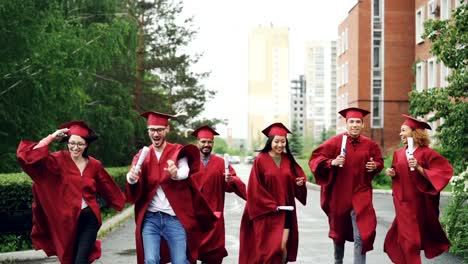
(55, 56)
(326, 134)
(295, 141)
(449, 42)
(220, 146)
(165, 81)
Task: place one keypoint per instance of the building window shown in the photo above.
(376, 56)
(420, 76)
(346, 74)
(338, 75)
(444, 73)
(419, 25)
(431, 73)
(376, 7)
(338, 47)
(445, 9)
(431, 9)
(343, 80)
(346, 39)
(343, 40)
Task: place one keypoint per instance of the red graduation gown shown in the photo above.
(210, 181)
(187, 202)
(262, 225)
(58, 189)
(416, 226)
(347, 187)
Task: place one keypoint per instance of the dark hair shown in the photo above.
(291, 158)
(88, 139)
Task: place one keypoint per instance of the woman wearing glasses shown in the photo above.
(66, 216)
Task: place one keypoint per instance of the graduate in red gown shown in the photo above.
(418, 177)
(66, 216)
(171, 215)
(213, 181)
(269, 230)
(345, 176)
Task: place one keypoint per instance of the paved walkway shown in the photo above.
(314, 244)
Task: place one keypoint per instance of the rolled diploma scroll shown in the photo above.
(286, 207)
(141, 158)
(410, 148)
(343, 146)
(226, 163)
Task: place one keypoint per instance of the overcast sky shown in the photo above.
(223, 27)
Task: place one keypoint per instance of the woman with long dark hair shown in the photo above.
(66, 216)
(269, 230)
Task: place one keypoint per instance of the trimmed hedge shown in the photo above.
(15, 208)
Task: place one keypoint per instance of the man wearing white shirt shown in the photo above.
(167, 206)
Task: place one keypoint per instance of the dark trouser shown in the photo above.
(86, 234)
(359, 258)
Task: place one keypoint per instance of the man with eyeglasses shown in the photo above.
(170, 213)
(213, 182)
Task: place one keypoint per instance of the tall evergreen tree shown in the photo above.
(165, 80)
(295, 140)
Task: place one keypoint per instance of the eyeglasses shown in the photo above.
(156, 130)
(76, 144)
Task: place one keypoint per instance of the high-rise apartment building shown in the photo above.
(320, 75)
(298, 110)
(268, 77)
(375, 58)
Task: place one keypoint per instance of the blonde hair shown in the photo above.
(421, 138)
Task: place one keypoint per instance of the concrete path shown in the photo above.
(314, 244)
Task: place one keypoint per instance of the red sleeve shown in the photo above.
(109, 190)
(260, 201)
(438, 171)
(320, 163)
(236, 186)
(300, 192)
(37, 162)
(133, 191)
(45, 141)
(376, 155)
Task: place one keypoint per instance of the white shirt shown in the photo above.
(160, 203)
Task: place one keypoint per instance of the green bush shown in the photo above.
(382, 181)
(304, 163)
(455, 217)
(15, 242)
(15, 203)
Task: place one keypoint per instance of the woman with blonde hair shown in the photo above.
(419, 174)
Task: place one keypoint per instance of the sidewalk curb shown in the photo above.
(314, 186)
(106, 227)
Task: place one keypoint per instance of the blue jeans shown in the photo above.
(157, 225)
